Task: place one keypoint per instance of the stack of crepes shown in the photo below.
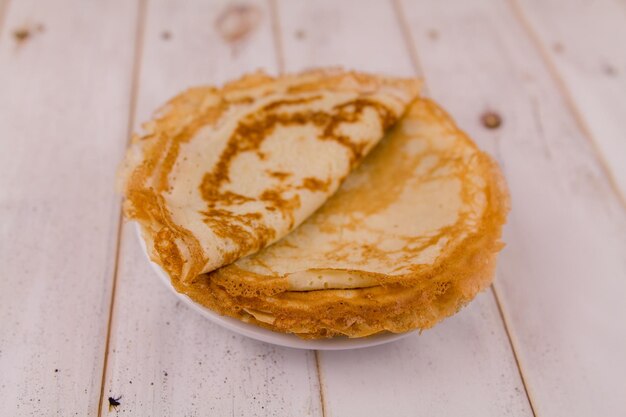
(321, 204)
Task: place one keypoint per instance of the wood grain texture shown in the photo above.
(196, 43)
(65, 107)
(585, 42)
(561, 277)
(64, 87)
(464, 366)
(165, 359)
(357, 35)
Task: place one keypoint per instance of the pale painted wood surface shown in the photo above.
(586, 43)
(64, 93)
(562, 276)
(67, 97)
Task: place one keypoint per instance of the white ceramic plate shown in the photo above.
(265, 335)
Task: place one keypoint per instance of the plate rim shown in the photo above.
(265, 335)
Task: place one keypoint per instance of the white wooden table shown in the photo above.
(83, 318)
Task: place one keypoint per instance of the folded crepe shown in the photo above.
(222, 173)
(410, 237)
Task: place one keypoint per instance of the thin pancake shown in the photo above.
(408, 239)
(419, 195)
(222, 173)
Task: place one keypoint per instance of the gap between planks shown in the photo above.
(134, 88)
(320, 381)
(408, 41)
(568, 98)
(412, 50)
(513, 345)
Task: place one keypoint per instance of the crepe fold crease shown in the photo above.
(410, 237)
(222, 173)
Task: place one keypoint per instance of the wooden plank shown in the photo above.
(165, 359)
(65, 76)
(194, 43)
(585, 43)
(322, 33)
(426, 374)
(561, 277)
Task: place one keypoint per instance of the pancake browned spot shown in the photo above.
(224, 172)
